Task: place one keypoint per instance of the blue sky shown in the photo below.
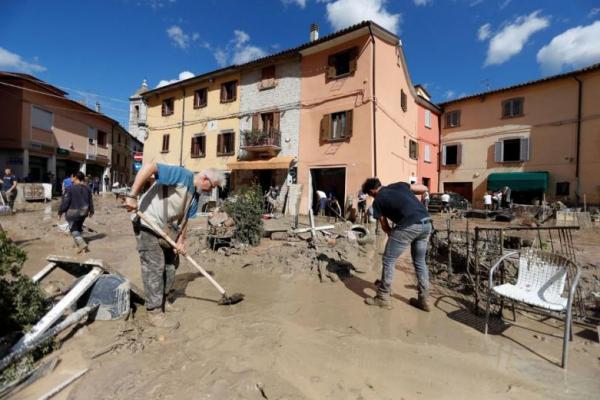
(102, 50)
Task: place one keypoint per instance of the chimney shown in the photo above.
(314, 32)
(98, 107)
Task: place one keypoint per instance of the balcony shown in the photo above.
(261, 142)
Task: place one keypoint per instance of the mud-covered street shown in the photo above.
(294, 337)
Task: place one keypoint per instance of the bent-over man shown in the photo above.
(412, 226)
(169, 202)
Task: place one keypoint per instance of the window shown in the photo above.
(118, 160)
(413, 150)
(136, 112)
(342, 64)
(102, 138)
(336, 126)
(427, 119)
(119, 138)
(168, 106)
(165, 144)
(427, 153)
(451, 154)
(426, 182)
(453, 119)
(198, 146)
(512, 150)
(512, 108)
(562, 188)
(403, 101)
(225, 144)
(41, 119)
(267, 122)
(200, 98)
(267, 78)
(228, 91)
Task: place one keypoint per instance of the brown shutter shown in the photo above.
(276, 117)
(325, 123)
(192, 149)
(348, 133)
(330, 72)
(223, 93)
(232, 142)
(234, 88)
(353, 59)
(219, 143)
(162, 108)
(255, 122)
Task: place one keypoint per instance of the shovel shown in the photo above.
(225, 300)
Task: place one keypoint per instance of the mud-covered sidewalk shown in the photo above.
(294, 337)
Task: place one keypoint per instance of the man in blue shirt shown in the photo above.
(67, 182)
(9, 187)
(169, 202)
(412, 225)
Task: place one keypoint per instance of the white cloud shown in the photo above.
(239, 51)
(14, 62)
(181, 39)
(300, 3)
(449, 94)
(475, 3)
(593, 12)
(509, 41)
(421, 2)
(155, 4)
(504, 4)
(343, 13)
(182, 75)
(576, 47)
(484, 32)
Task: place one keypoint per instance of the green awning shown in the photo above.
(519, 181)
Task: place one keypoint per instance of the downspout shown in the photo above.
(182, 124)
(439, 155)
(374, 101)
(579, 95)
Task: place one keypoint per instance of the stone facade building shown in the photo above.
(138, 114)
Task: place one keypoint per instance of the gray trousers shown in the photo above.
(159, 265)
(416, 236)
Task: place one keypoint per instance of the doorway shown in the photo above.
(332, 181)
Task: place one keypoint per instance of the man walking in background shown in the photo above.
(412, 226)
(9, 188)
(169, 202)
(77, 205)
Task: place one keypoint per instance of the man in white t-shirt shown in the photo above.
(322, 201)
(445, 202)
(487, 201)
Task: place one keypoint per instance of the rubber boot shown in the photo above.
(421, 302)
(81, 244)
(159, 319)
(380, 300)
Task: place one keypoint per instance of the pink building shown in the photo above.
(358, 113)
(428, 132)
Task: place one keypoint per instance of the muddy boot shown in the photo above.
(159, 319)
(81, 244)
(380, 300)
(420, 303)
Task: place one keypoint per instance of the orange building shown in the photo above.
(540, 138)
(358, 113)
(428, 132)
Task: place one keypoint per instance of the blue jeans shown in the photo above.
(417, 236)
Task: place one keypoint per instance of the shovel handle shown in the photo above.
(162, 234)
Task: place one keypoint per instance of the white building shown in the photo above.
(138, 112)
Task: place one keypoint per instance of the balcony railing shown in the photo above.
(263, 142)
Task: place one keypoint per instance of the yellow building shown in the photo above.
(195, 122)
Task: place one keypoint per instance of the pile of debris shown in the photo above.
(221, 225)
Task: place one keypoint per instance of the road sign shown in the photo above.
(138, 156)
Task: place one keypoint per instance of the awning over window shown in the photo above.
(272, 163)
(519, 181)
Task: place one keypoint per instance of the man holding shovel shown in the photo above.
(168, 204)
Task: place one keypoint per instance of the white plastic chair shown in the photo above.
(541, 281)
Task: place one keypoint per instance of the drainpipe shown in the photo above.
(182, 123)
(579, 94)
(439, 155)
(374, 100)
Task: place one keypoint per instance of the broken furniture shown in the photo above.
(541, 282)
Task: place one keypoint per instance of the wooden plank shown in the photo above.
(43, 272)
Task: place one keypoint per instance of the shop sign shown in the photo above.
(62, 152)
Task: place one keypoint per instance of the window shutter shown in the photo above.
(353, 60)
(524, 149)
(498, 151)
(192, 147)
(427, 119)
(444, 155)
(506, 109)
(349, 119)
(276, 119)
(427, 153)
(223, 94)
(255, 122)
(234, 90)
(458, 154)
(219, 143)
(163, 108)
(325, 122)
(330, 73)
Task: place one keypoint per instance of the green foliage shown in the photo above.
(246, 209)
(22, 302)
